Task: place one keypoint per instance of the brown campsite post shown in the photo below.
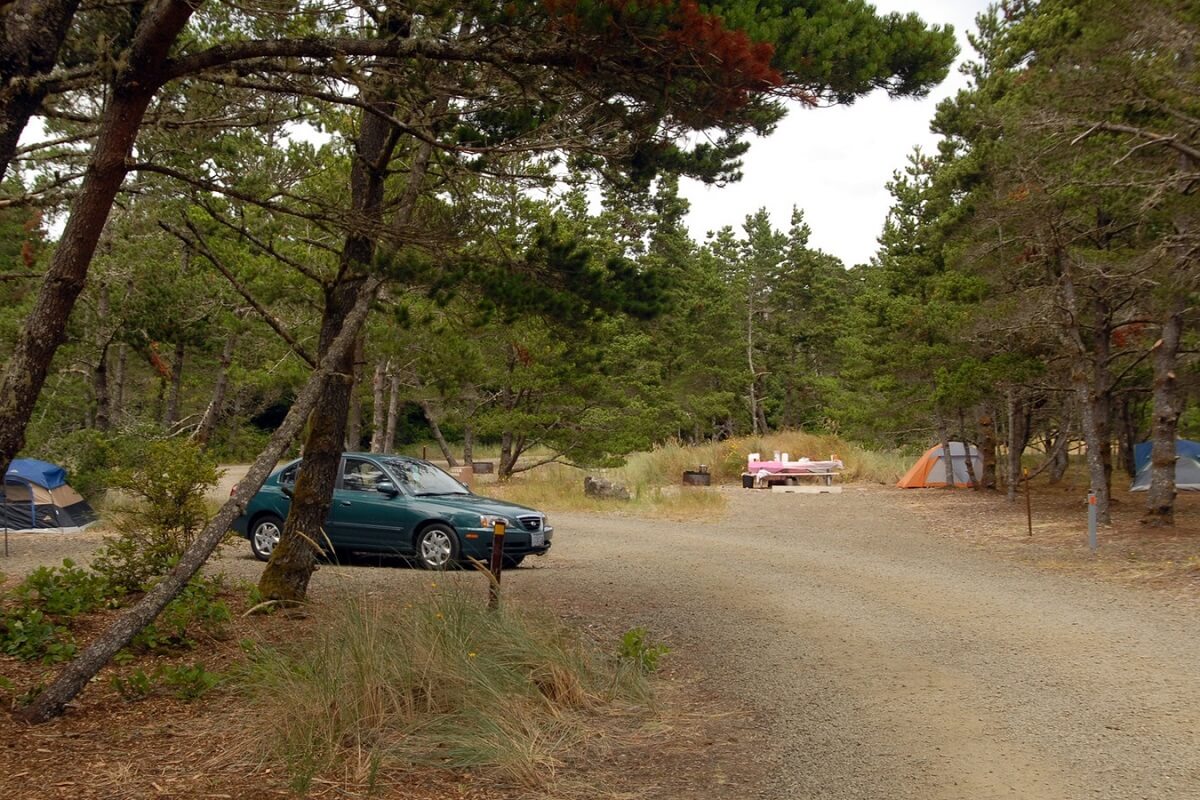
(496, 564)
(1028, 503)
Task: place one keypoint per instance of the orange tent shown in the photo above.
(930, 470)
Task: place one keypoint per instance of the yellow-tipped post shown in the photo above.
(497, 564)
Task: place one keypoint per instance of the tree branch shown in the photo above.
(202, 247)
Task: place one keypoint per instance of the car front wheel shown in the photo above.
(437, 547)
(264, 535)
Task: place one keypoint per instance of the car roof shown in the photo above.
(385, 457)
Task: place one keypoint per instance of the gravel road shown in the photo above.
(883, 662)
(889, 663)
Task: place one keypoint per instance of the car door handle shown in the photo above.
(346, 502)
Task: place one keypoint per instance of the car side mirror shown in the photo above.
(388, 488)
(287, 488)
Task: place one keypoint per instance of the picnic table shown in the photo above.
(761, 474)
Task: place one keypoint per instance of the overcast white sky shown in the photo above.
(833, 162)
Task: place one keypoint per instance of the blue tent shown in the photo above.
(1187, 466)
(36, 496)
(1183, 447)
(39, 473)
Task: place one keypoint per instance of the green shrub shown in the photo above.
(137, 685)
(165, 511)
(635, 649)
(64, 591)
(189, 682)
(197, 610)
(28, 634)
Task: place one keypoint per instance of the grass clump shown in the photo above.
(557, 487)
(440, 682)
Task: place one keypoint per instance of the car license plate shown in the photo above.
(537, 539)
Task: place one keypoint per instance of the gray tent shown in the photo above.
(930, 469)
(1187, 466)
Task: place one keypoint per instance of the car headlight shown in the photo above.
(545, 520)
(489, 521)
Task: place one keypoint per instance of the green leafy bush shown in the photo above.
(65, 591)
(197, 610)
(165, 511)
(635, 648)
(189, 681)
(137, 685)
(29, 634)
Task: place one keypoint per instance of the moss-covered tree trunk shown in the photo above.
(293, 560)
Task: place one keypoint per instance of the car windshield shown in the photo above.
(423, 479)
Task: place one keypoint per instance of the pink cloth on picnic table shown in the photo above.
(808, 466)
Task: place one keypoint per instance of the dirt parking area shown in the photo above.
(873, 644)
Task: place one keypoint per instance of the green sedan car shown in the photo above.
(400, 506)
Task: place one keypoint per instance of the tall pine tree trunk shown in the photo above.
(468, 445)
(1160, 501)
(216, 405)
(393, 413)
(1126, 436)
(45, 326)
(1095, 407)
(987, 449)
(508, 459)
(1092, 386)
(103, 416)
(354, 423)
(1018, 435)
(118, 398)
(100, 392)
(377, 409)
(1060, 454)
(947, 458)
(293, 560)
(436, 430)
(755, 416)
(171, 415)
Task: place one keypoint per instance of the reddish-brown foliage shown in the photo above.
(723, 67)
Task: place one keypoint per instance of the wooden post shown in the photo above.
(1028, 502)
(496, 566)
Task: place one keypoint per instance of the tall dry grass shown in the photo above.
(438, 682)
(557, 487)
